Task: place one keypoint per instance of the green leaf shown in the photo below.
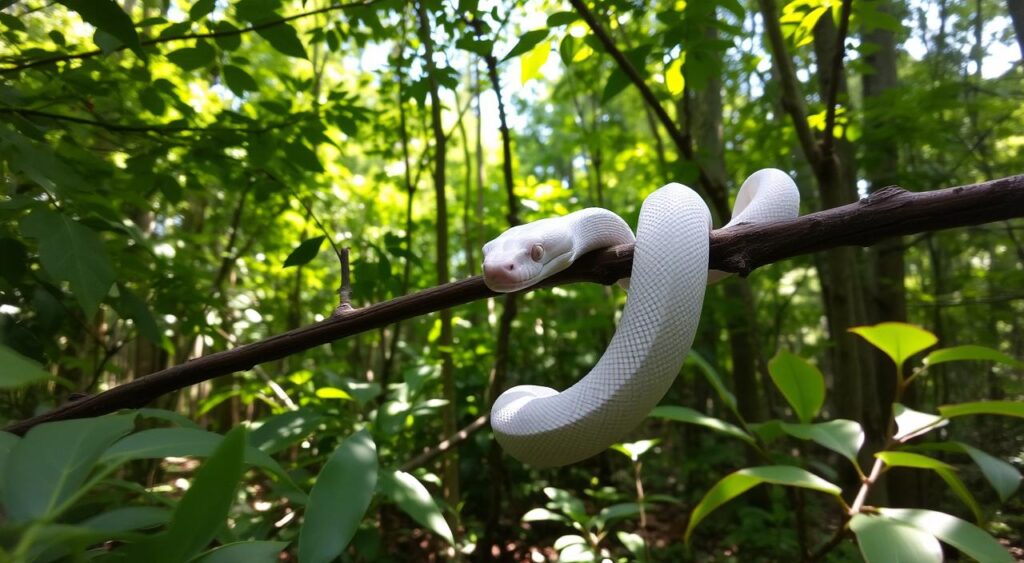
(633, 450)
(301, 155)
(228, 42)
(961, 490)
(158, 443)
(743, 480)
(7, 443)
(248, 551)
(285, 39)
(845, 437)
(191, 58)
(280, 431)
(674, 80)
(1004, 408)
(128, 518)
(562, 18)
(107, 16)
(169, 416)
(617, 82)
(71, 252)
(413, 498)
(530, 65)
(1003, 477)
(907, 459)
(200, 9)
(134, 308)
(883, 541)
(911, 423)
(899, 341)
(613, 513)
(543, 515)
(691, 416)
(340, 497)
(201, 513)
(527, 41)
(19, 371)
(713, 378)
(969, 352)
(306, 251)
(238, 80)
(152, 101)
(963, 535)
(633, 542)
(51, 463)
(801, 384)
(565, 502)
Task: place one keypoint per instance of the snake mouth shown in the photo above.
(509, 277)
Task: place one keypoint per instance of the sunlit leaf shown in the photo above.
(674, 80)
(801, 384)
(908, 459)
(413, 498)
(527, 41)
(882, 540)
(1003, 408)
(743, 480)
(633, 450)
(844, 437)
(280, 431)
(969, 352)
(532, 61)
(960, 490)
(542, 515)
(911, 423)
(899, 341)
(963, 535)
(339, 498)
(691, 416)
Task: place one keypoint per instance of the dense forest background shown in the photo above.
(182, 178)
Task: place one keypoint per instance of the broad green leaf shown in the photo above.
(306, 251)
(73, 253)
(284, 39)
(51, 463)
(1003, 477)
(961, 490)
(302, 156)
(743, 480)
(884, 541)
(1004, 408)
(339, 498)
(192, 58)
(801, 384)
(633, 450)
(18, 371)
(248, 551)
(617, 82)
(845, 437)
(527, 41)
(908, 459)
(413, 498)
(201, 513)
(899, 341)
(713, 378)
(228, 42)
(565, 541)
(562, 18)
(963, 535)
(911, 423)
(333, 393)
(7, 443)
(529, 65)
(691, 416)
(169, 416)
(128, 518)
(280, 431)
(674, 80)
(133, 307)
(565, 502)
(107, 15)
(969, 352)
(634, 543)
(200, 9)
(613, 513)
(238, 80)
(158, 443)
(543, 515)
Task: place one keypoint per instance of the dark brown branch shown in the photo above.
(828, 142)
(110, 126)
(741, 249)
(447, 444)
(716, 191)
(187, 36)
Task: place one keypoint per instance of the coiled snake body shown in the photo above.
(543, 427)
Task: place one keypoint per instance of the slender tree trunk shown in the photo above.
(444, 341)
(1016, 9)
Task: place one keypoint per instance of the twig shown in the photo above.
(187, 36)
(345, 289)
(828, 142)
(447, 444)
(741, 249)
(111, 126)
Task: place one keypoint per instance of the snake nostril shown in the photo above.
(510, 267)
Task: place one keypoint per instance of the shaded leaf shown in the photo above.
(238, 80)
(413, 498)
(200, 9)
(192, 58)
(845, 437)
(691, 416)
(107, 16)
(248, 551)
(543, 515)
(284, 39)
(306, 251)
(801, 384)
(961, 490)
(18, 371)
(743, 480)
(963, 535)
(883, 541)
(911, 423)
(280, 431)
(339, 498)
(1003, 477)
(713, 378)
(908, 459)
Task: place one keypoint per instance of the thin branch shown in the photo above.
(111, 126)
(187, 36)
(828, 142)
(741, 249)
(447, 444)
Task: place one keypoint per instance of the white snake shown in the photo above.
(542, 427)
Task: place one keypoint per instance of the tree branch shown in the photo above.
(110, 126)
(828, 142)
(741, 249)
(187, 36)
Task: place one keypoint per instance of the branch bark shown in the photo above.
(741, 249)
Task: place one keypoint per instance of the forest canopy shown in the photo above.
(242, 318)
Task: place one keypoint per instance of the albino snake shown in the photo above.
(542, 427)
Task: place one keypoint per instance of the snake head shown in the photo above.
(526, 254)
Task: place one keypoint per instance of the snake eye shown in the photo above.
(537, 252)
